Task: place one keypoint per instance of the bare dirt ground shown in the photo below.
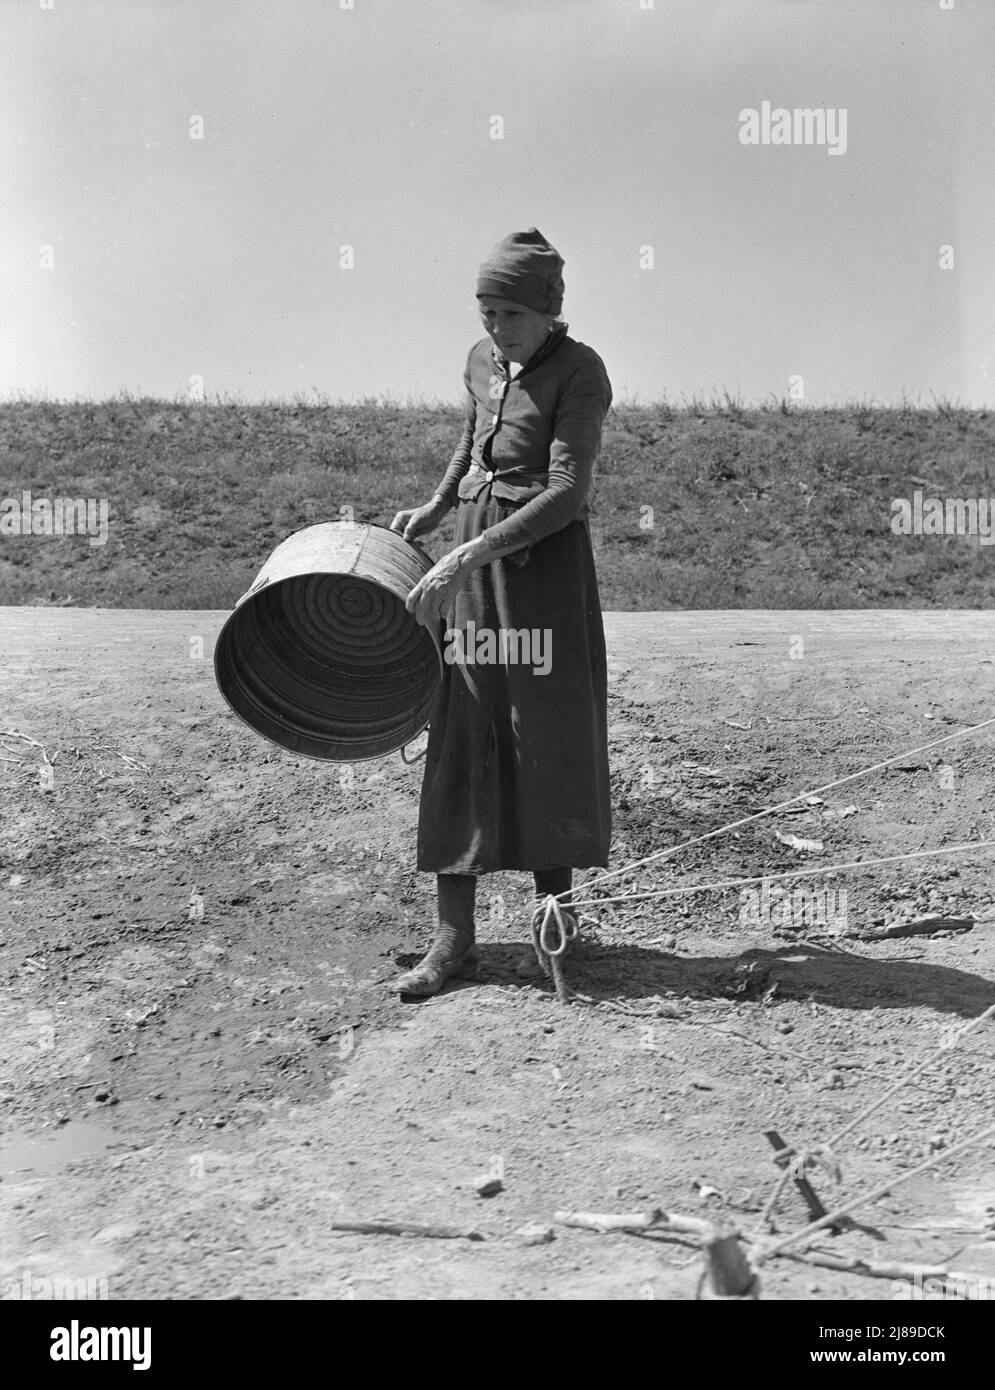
(202, 1069)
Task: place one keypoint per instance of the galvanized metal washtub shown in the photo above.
(321, 657)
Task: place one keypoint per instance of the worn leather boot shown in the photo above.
(453, 953)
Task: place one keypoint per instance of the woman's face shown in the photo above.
(516, 330)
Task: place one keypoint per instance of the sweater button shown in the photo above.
(489, 476)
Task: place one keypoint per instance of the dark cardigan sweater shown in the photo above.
(532, 438)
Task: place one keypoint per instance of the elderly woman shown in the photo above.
(516, 773)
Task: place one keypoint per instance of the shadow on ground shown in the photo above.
(832, 978)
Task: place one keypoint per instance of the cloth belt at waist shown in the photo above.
(515, 485)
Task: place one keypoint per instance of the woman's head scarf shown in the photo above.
(525, 268)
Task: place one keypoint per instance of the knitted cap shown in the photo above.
(525, 268)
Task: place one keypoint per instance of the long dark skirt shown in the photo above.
(516, 774)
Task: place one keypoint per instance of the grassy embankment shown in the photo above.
(751, 508)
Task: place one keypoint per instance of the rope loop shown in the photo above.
(557, 929)
(553, 929)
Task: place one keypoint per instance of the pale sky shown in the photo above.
(135, 257)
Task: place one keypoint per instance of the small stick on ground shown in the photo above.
(873, 1269)
(406, 1228)
(652, 1220)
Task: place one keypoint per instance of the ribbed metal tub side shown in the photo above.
(320, 655)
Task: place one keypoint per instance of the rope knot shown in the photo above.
(553, 929)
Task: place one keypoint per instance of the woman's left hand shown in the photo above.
(433, 594)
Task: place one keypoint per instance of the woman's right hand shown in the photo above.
(420, 520)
